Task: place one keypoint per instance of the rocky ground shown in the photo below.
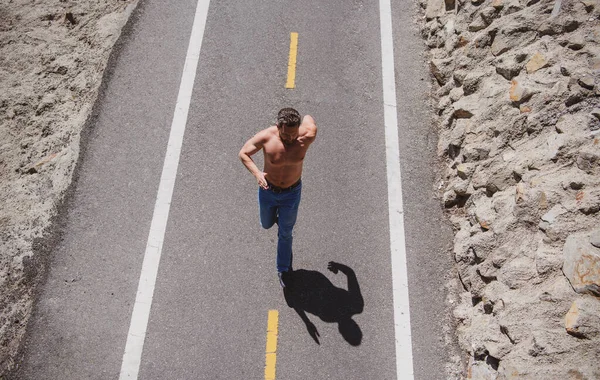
(52, 58)
(518, 91)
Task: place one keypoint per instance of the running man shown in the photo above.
(279, 184)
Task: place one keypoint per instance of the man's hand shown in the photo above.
(333, 266)
(262, 181)
(313, 332)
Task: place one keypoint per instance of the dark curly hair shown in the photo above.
(288, 117)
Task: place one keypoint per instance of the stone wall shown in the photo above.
(517, 85)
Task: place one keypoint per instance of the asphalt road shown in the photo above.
(217, 280)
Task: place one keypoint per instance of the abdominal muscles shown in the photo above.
(283, 165)
(283, 175)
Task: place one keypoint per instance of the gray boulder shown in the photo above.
(583, 318)
(518, 272)
(509, 66)
(435, 8)
(581, 264)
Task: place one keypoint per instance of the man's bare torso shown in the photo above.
(284, 148)
(283, 162)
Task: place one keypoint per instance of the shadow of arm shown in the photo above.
(310, 327)
(356, 297)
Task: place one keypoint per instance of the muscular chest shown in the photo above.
(279, 154)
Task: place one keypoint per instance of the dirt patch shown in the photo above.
(52, 58)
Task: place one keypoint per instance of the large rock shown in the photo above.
(461, 187)
(557, 26)
(476, 152)
(518, 272)
(589, 161)
(509, 66)
(498, 4)
(465, 170)
(586, 81)
(581, 264)
(463, 255)
(442, 69)
(572, 123)
(457, 135)
(556, 143)
(487, 336)
(488, 14)
(435, 8)
(509, 131)
(493, 296)
(483, 245)
(588, 201)
(466, 107)
(555, 212)
(501, 44)
(496, 176)
(519, 92)
(471, 82)
(456, 93)
(516, 34)
(538, 61)
(547, 262)
(583, 318)
(450, 25)
(595, 238)
(480, 370)
(575, 41)
(477, 25)
(511, 6)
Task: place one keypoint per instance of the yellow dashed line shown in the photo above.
(291, 76)
(271, 356)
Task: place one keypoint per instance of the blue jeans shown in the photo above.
(280, 208)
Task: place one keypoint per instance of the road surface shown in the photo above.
(216, 282)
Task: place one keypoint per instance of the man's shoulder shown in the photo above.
(266, 134)
(308, 122)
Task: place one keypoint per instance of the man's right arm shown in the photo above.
(252, 146)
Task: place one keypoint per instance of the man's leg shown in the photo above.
(267, 208)
(288, 211)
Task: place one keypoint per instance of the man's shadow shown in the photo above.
(310, 291)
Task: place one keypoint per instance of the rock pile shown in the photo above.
(518, 90)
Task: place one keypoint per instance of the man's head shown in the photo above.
(288, 123)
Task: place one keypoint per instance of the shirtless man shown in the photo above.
(279, 185)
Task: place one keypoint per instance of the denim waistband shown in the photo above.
(277, 189)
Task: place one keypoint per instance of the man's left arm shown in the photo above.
(311, 128)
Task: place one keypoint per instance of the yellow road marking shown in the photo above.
(291, 76)
(271, 356)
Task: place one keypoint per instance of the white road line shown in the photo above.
(143, 300)
(404, 363)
